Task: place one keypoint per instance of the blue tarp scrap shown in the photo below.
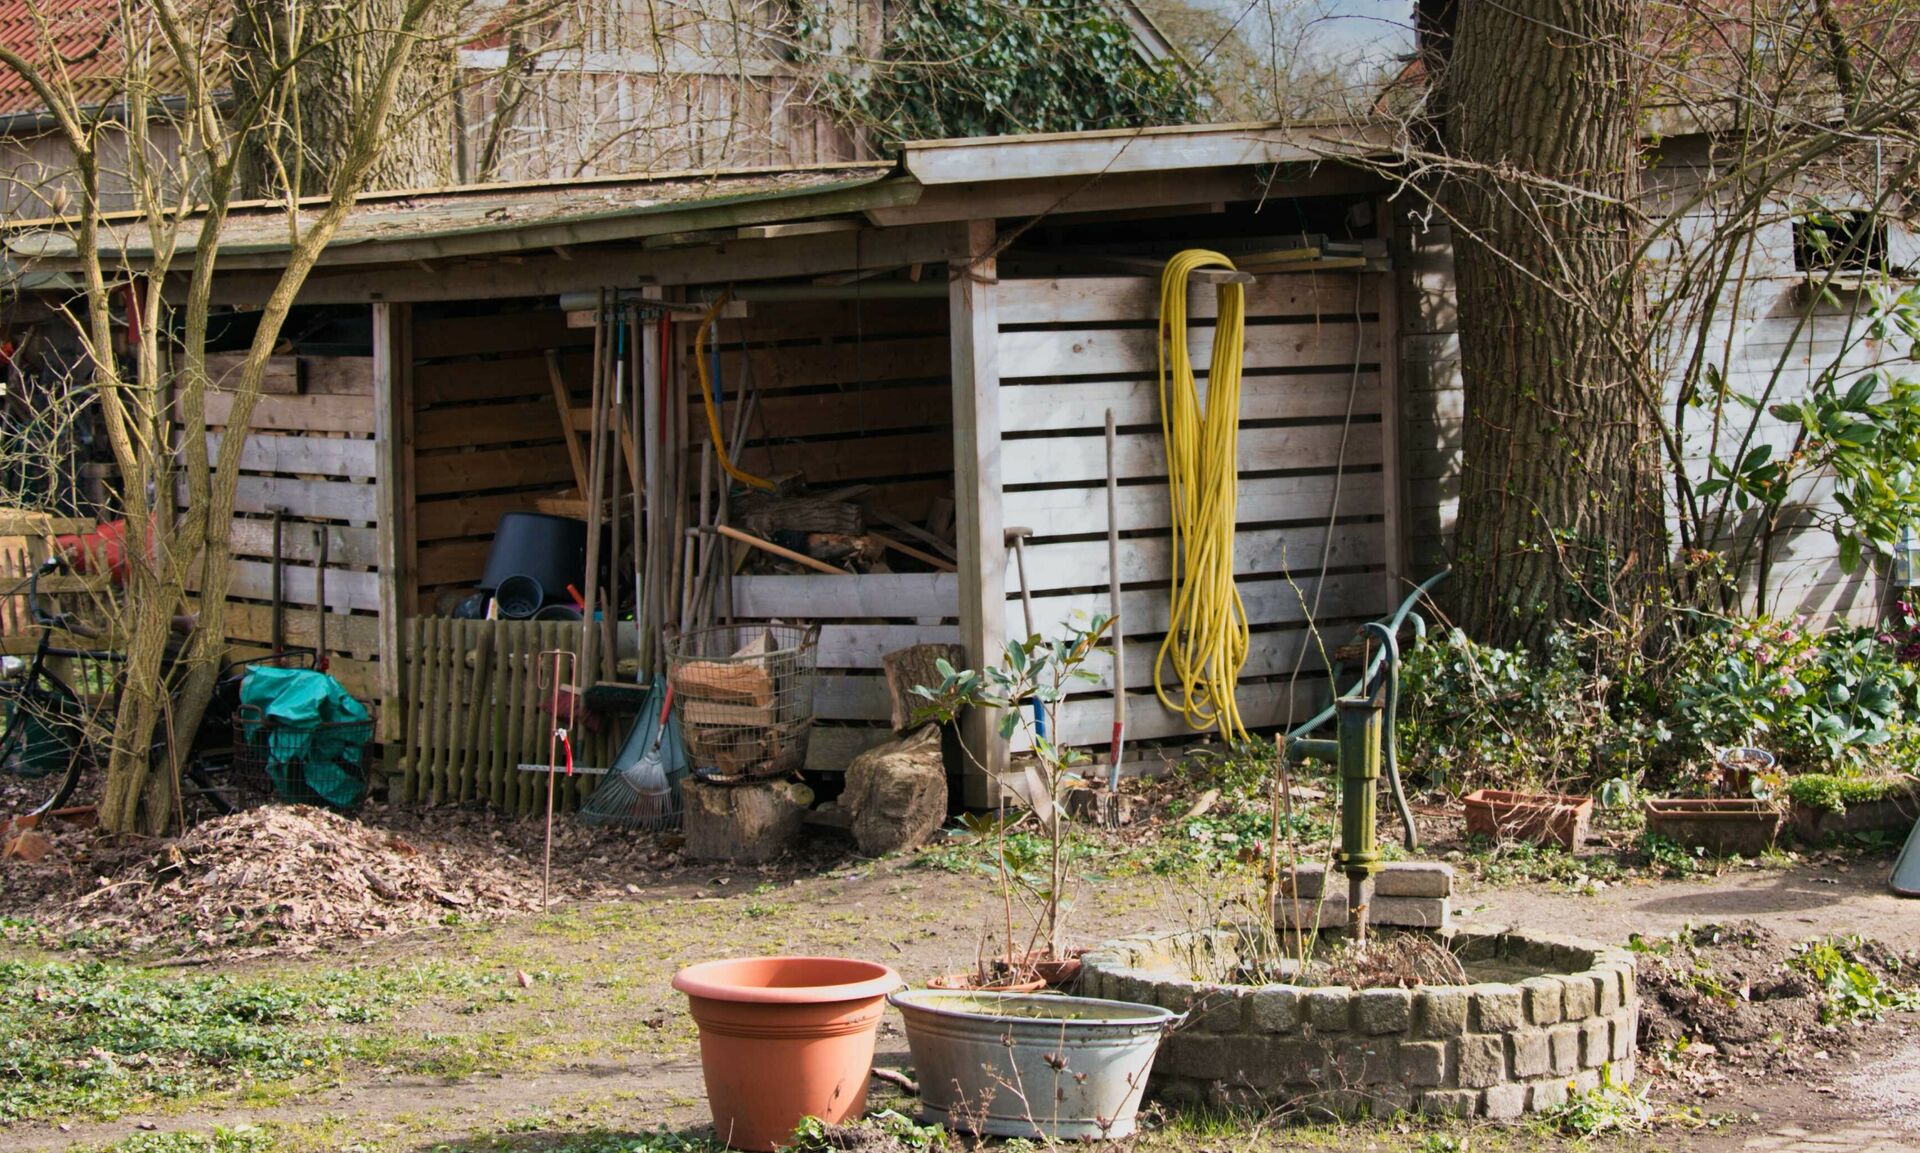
(313, 746)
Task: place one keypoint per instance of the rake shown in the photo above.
(642, 789)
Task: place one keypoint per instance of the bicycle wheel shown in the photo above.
(44, 750)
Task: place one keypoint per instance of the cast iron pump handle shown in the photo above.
(1386, 684)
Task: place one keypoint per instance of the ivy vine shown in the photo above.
(952, 68)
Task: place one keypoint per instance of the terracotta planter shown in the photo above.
(785, 1038)
(1542, 818)
(1720, 826)
(1894, 814)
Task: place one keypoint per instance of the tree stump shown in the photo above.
(750, 824)
(897, 793)
(908, 667)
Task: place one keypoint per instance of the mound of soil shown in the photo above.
(1720, 1002)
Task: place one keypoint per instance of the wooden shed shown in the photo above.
(946, 329)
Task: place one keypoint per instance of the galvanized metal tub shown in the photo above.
(1031, 1064)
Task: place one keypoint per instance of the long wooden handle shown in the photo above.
(763, 545)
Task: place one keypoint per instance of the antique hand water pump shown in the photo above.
(1364, 742)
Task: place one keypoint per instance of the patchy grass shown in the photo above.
(241, 1139)
(99, 1039)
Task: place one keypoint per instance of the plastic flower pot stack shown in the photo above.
(1031, 1065)
(785, 1038)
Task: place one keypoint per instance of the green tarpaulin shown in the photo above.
(315, 733)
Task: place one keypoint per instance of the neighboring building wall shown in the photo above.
(1766, 333)
(636, 86)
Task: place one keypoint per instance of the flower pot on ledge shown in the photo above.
(1542, 818)
(1721, 826)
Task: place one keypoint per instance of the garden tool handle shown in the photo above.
(1389, 681)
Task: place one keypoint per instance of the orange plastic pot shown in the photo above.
(785, 1038)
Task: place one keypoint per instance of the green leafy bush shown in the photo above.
(1833, 793)
(1851, 991)
(1817, 700)
(1473, 715)
(988, 68)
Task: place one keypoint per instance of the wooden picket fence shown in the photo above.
(477, 702)
(26, 540)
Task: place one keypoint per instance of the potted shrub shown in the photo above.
(1027, 686)
(1542, 818)
(1023, 1064)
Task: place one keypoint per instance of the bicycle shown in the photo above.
(57, 732)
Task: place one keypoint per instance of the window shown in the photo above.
(1840, 242)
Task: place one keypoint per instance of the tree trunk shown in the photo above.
(1561, 516)
(336, 47)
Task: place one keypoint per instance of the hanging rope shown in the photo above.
(1207, 638)
(706, 397)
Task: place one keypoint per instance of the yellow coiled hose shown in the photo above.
(1207, 638)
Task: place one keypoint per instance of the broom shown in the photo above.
(642, 789)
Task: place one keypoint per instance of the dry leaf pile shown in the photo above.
(294, 878)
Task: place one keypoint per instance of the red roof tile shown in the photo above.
(78, 45)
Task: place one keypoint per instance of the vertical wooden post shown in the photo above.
(393, 502)
(1393, 497)
(975, 341)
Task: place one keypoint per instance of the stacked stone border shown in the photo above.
(1493, 1050)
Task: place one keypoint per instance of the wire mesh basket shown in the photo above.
(319, 764)
(743, 694)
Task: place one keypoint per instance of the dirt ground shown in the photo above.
(563, 1023)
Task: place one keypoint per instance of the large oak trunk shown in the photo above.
(1560, 505)
(336, 46)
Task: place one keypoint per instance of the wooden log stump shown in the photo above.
(917, 665)
(749, 824)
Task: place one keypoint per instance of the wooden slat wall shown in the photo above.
(1750, 343)
(1072, 348)
(311, 454)
(486, 433)
(862, 618)
(851, 392)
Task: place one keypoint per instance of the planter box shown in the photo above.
(1542, 818)
(1895, 814)
(1720, 826)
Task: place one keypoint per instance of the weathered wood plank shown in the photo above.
(346, 633)
(318, 499)
(462, 382)
(1057, 459)
(346, 591)
(811, 597)
(1079, 564)
(1104, 300)
(346, 546)
(441, 474)
(485, 424)
(1262, 500)
(504, 332)
(313, 412)
(862, 646)
(322, 455)
(1084, 405)
(1128, 351)
(446, 519)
